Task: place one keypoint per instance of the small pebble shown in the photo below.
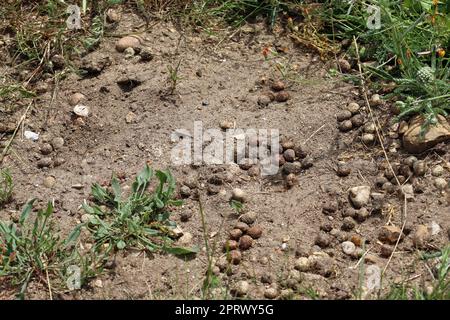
(245, 242)
(289, 155)
(348, 224)
(348, 247)
(345, 126)
(353, 107)
(302, 264)
(440, 183)
(278, 86)
(368, 139)
(46, 149)
(235, 234)
(271, 293)
(420, 168)
(238, 195)
(386, 251)
(343, 169)
(49, 182)
(249, 217)
(241, 288)
(343, 115)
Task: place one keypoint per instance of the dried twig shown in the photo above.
(364, 91)
(8, 145)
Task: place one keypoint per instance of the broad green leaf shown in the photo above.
(73, 236)
(26, 211)
(121, 245)
(115, 185)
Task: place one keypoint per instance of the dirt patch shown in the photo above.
(132, 116)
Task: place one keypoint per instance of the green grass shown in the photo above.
(33, 250)
(140, 220)
(6, 186)
(440, 288)
(414, 36)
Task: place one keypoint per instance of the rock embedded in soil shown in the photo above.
(127, 42)
(245, 242)
(349, 212)
(415, 143)
(238, 195)
(389, 234)
(345, 126)
(410, 161)
(421, 236)
(359, 196)
(348, 247)
(249, 217)
(254, 171)
(255, 232)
